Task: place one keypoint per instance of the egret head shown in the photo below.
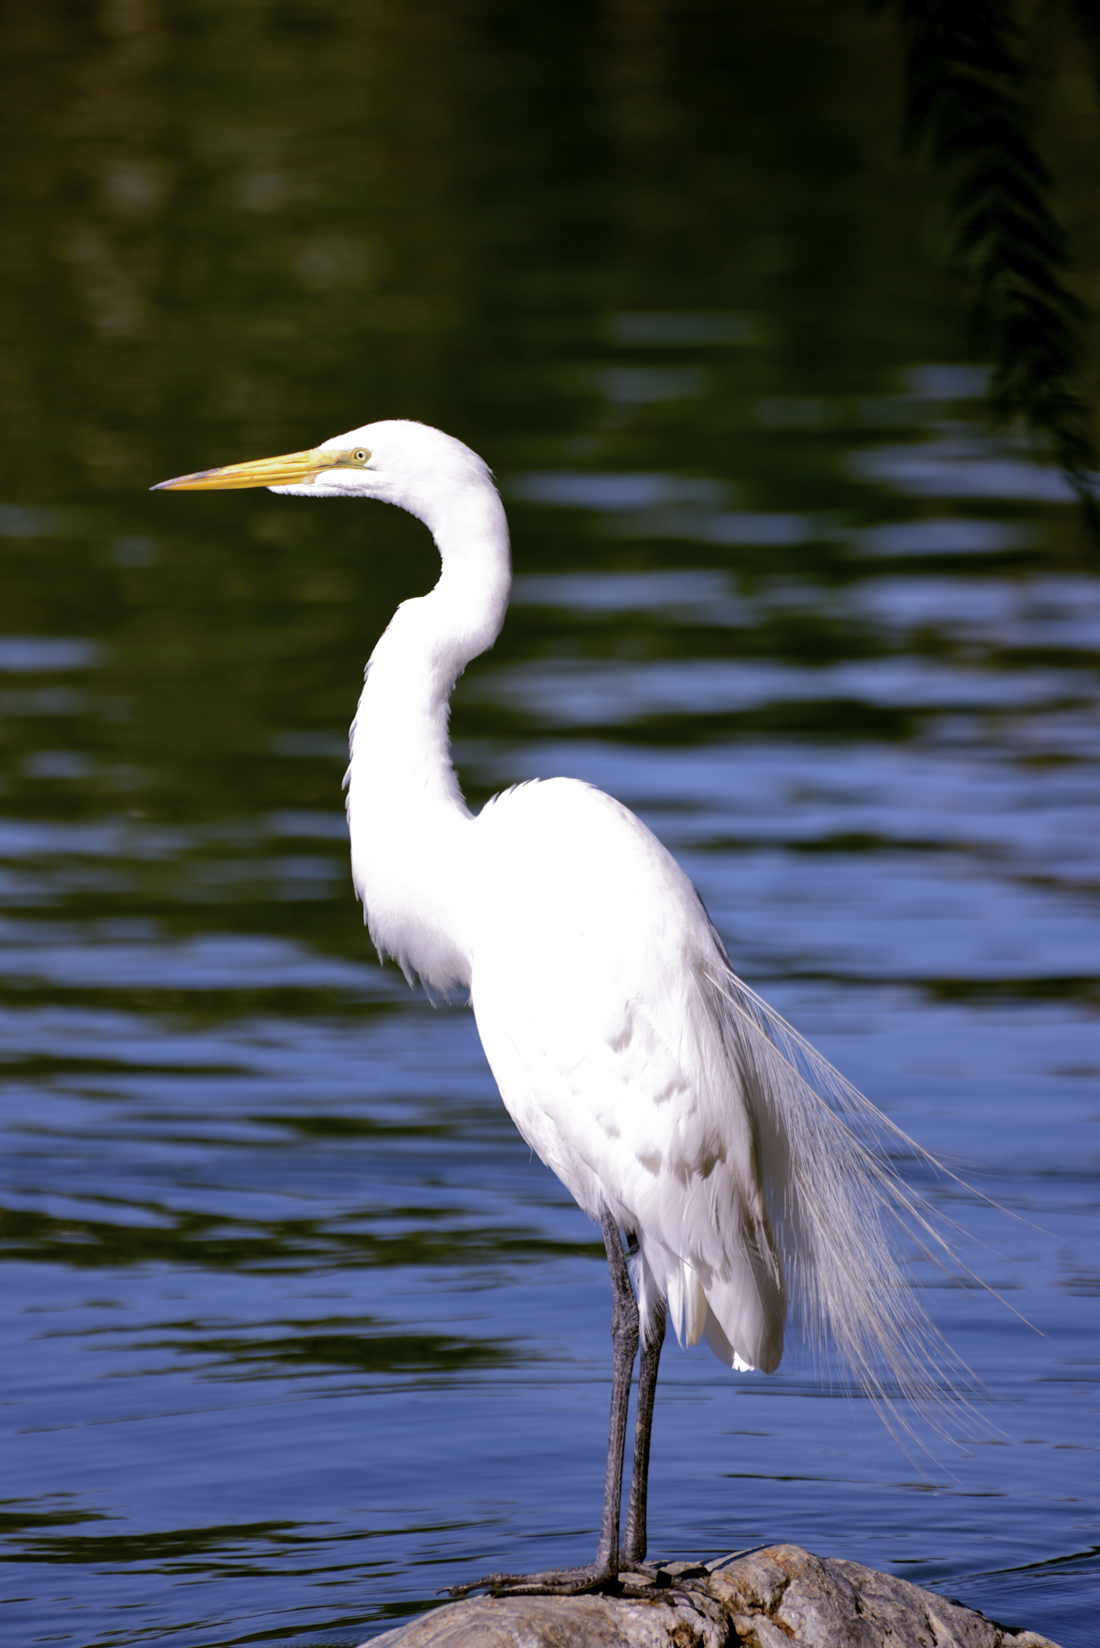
(399, 462)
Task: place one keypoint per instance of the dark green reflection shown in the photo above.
(225, 1244)
(159, 1548)
(356, 1344)
(234, 230)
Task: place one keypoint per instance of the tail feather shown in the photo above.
(835, 1201)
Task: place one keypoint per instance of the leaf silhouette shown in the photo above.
(967, 73)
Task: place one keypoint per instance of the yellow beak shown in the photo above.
(294, 468)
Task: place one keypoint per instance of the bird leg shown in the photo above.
(604, 1571)
(624, 1338)
(632, 1554)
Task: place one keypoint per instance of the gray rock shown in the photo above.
(785, 1595)
(778, 1598)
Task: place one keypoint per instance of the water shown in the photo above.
(296, 1332)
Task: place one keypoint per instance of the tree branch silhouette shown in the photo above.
(966, 99)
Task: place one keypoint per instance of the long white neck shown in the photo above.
(408, 820)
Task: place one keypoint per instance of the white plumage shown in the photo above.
(610, 1056)
(660, 1090)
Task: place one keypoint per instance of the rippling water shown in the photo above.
(296, 1331)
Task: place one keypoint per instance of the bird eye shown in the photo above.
(361, 456)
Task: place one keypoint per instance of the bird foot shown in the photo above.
(594, 1576)
(633, 1579)
(666, 1576)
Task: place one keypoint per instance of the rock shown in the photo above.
(567, 1622)
(781, 1597)
(785, 1595)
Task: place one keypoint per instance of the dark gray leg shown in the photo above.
(624, 1339)
(634, 1542)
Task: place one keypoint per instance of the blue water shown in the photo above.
(297, 1333)
(295, 1330)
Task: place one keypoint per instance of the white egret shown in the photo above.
(672, 1103)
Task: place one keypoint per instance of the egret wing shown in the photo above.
(592, 956)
